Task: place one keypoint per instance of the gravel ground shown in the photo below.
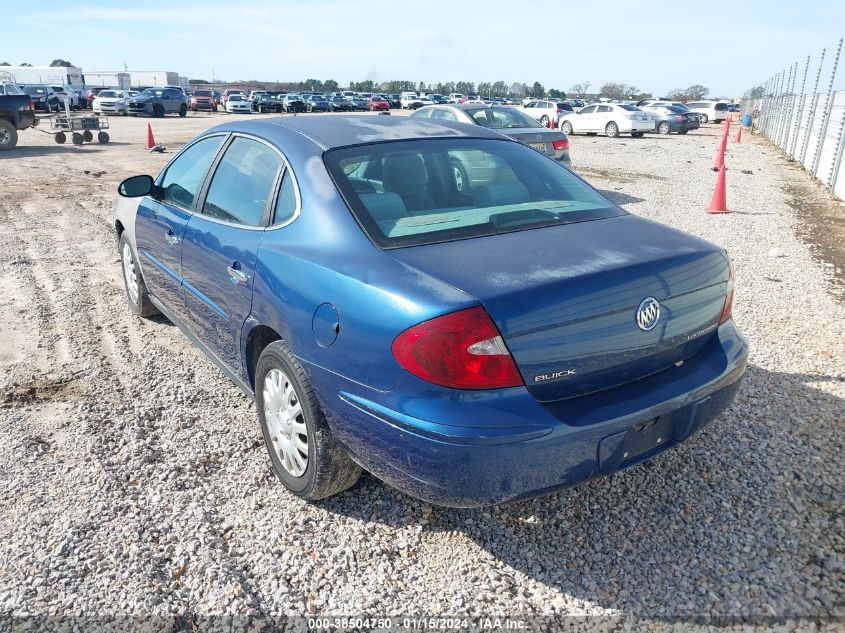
(133, 479)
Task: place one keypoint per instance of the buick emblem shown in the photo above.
(648, 313)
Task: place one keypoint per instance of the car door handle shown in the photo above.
(172, 238)
(236, 274)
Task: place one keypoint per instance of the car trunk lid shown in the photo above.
(565, 298)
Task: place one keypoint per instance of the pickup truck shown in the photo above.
(16, 113)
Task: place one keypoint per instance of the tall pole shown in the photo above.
(828, 109)
(806, 142)
(800, 110)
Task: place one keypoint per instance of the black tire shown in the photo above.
(76, 138)
(329, 470)
(8, 135)
(566, 128)
(703, 118)
(682, 131)
(637, 134)
(142, 306)
(612, 130)
(544, 121)
(158, 110)
(183, 110)
(61, 138)
(87, 136)
(103, 137)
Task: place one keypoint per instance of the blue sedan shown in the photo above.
(467, 342)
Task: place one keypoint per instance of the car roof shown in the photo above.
(342, 131)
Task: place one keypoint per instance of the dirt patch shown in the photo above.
(39, 390)
(822, 226)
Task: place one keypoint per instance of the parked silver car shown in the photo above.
(544, 110)
(508, 121)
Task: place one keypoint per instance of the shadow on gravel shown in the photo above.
(741, 519)
(617, 197)
(22, 151)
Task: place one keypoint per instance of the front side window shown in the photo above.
(243, 182)
(184, 176)
(424, 191)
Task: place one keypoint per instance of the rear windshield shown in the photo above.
(721, 106)
(564, 106)
(202, 93)
(416, 192)
(676, 110)
(35, 90)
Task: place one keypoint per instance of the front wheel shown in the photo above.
(566, 128)
(303, 452)
(612, 130)
(158, 111)
(183, 110)
(136, 290)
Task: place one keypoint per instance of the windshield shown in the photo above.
(502, 118)
(152, 92)
(109, 93)
(10, 89)
(236, 98)
(416, 192)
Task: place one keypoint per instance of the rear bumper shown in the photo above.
(637, 126)
(523, 448)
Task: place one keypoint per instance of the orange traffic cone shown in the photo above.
(719, 203)
(151, 142)
(719, 163)
(551, 123)
(738, 138)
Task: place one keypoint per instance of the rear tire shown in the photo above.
(544, 120)
(703, 118)
(286, 403)
(664, 128)
(8, 136)
(133, 281)
(183, 110)
(682, 131)
(637, 134)
(612, 130)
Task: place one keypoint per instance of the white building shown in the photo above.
(154, 78)
(107, 79)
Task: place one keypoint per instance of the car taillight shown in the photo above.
(679, 117)
(462, 350)
(561, 144)
(727, 310)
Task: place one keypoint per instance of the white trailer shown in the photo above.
(108, 79)
(51, 75)
(153, 78)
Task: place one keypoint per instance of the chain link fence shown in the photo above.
(808, 125)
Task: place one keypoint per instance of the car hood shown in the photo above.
(142, 100)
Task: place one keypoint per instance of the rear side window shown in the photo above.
(424, 191)
(605, 109)
(444, 115)
(185, 175)
(286, 202)
(588, 110)
(242, 183)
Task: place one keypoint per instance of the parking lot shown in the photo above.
(133, 477)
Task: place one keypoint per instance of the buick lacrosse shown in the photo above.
(467, 342)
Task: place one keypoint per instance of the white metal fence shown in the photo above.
(806, 124)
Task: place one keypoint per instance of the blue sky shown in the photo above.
(655, 46)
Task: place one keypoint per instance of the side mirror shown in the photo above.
(136, 186)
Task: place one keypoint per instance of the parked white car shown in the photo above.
(238, 103)
(710, 111)
(455, 97)
(544, 110)
(410, 101)
(611, 119)
(111, 102)
(67, 93)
